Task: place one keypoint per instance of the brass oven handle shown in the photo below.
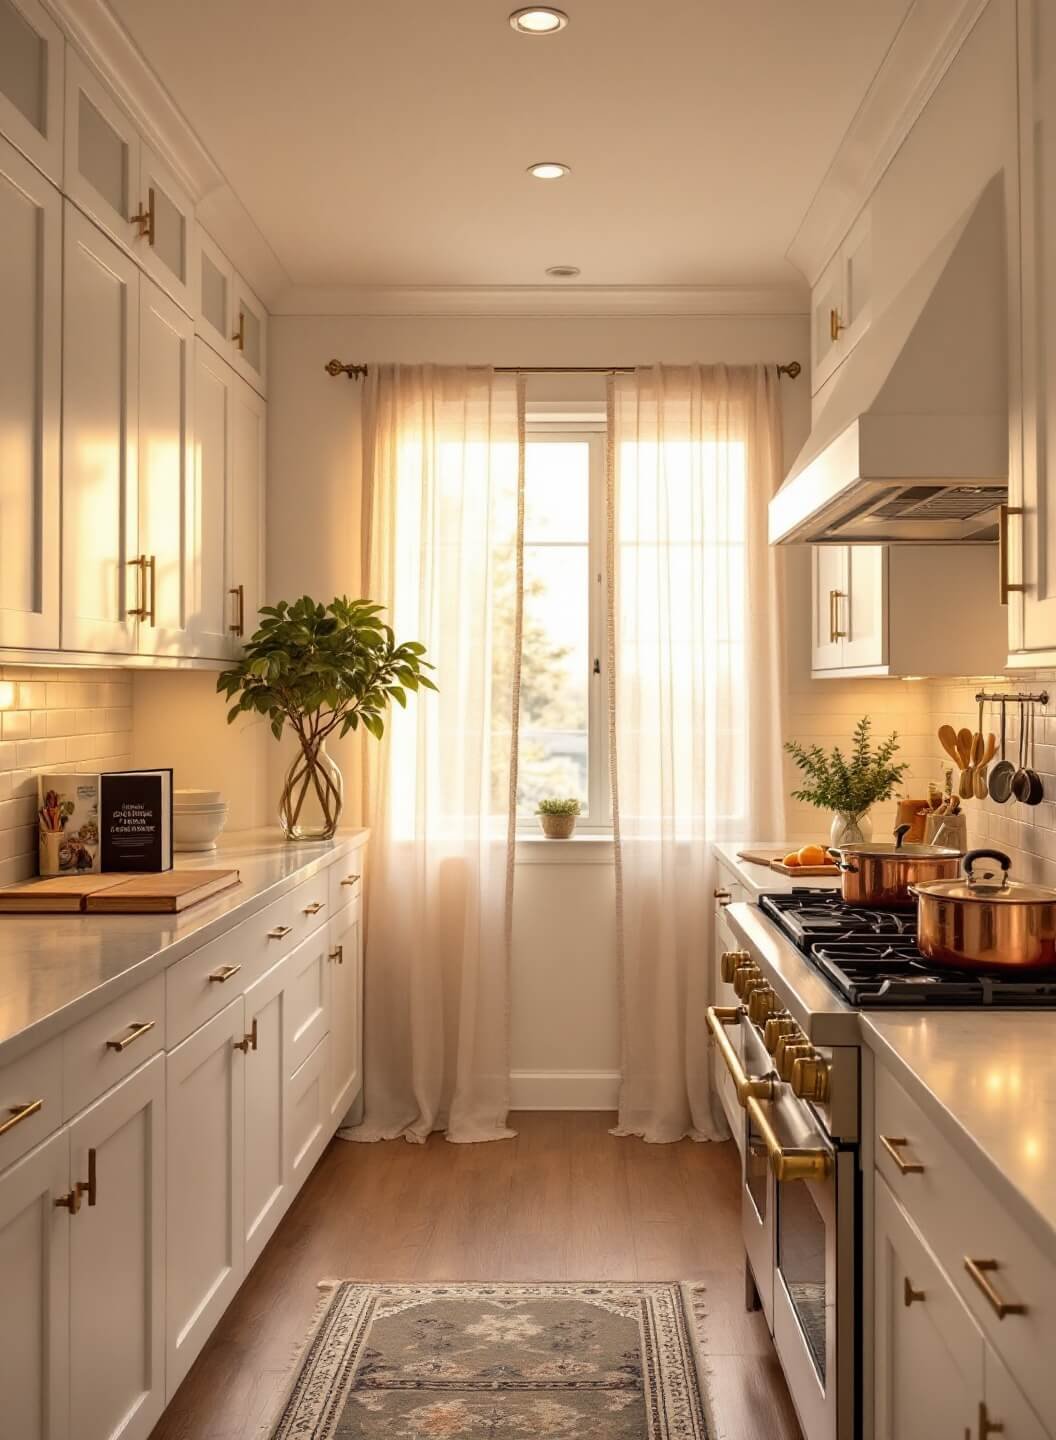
(17, 1113)
(221, 976)
(248, 1042)
(719, 1017)
(315, 907)
(788, 1164)
(139, 1027)
(1004, 585)
(279, 933)
(146, 219)
(88, 1187)
(140, 608)
(338, 954)
(239, 337)
(239, 627)
(892, 1144)
(979, 1270)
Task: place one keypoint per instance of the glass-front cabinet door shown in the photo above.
(215, 297)
(249, 336)
(102, 154)
(163, 244)
(31, 69)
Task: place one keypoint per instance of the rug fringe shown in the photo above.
(695, 1300)
(326, 1288)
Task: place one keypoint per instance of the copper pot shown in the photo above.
(985, 921)
(881, 874)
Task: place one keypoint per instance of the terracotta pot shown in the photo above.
(558, 827)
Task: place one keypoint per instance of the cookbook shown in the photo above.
(135, 820)
(68, 818)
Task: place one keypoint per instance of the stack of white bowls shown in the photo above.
(198, 816)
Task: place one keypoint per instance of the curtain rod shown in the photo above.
(358, 372)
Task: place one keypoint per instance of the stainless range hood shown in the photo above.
(912, 443)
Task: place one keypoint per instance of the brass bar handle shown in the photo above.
(835, 324)
(89, 1187)
(139, 1027)
(248, 1042)
(832, 617)
(223, 975)
(140, 609)
(239, 337)
(315, 907)
(279, 933)
(338, 954)
(146, 218)
(893, 1144)
(71, 1201)
(239, 592)
(979, 1270)
(988, 1427)
(837, 633)
(719, 1017)
(786, 1163)
(723, 897)
(909, 1295)
(352, 880)
(17, 1113)
(151, 564)
(1005, 587)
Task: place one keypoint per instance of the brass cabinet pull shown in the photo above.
(1005, 587)
(139, 1027)
(979, 1270)
(338, 954)
(140, 608)
(146, 218)
(248, 1042)
(786, 1163)
(723, 897)
(221, 976)
(315, 907)
(88, 1187)
(835, 324)
(150, 563)
(987, 1426)
(279, 933)
(909, 1294)
(239, 627)
(71, 1201)
(239, 337)
(892, 1144)
(837, 633)
(719, 1017)
(17, 1113)
(352, 880)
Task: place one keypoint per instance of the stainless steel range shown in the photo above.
(789, 1036)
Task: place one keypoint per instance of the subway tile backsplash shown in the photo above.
(56, 719)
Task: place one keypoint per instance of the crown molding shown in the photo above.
(382, 301)
(105, 43)
(929, 37)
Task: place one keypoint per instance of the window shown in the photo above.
(563, 732)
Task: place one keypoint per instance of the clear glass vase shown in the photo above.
(312, 796)
(850, 828)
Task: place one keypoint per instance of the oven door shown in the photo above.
(758, 1203)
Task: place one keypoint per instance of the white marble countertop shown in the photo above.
(54, 969)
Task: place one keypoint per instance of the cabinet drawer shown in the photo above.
(112, 1043)
(346, 880)
(962, 1221)
(307, 988)
(307, 1114)
(30, 1100)
(201, 984)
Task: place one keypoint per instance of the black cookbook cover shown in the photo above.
(135, 820)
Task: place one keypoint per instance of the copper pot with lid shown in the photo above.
(985, 921)
(880, 874)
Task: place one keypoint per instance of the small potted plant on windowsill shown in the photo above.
(558, 818)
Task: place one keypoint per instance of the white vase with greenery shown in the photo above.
(848, 786)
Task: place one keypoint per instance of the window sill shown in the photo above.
(580, 850)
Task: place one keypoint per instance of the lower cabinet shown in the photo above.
(266, 1188)
(346, 1010)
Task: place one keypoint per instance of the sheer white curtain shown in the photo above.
(443, 480)
(694, 456)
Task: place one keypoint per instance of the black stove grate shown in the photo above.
(870, 957)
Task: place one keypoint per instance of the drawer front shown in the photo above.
(963, 1222)
(307, 988)
(30, 1100)
(110, 1044)
(307, 1114)
(346, 880)
(201, 984)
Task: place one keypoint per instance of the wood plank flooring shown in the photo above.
(563, 1201)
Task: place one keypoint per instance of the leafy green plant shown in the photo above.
(849, 784)
(559, 807)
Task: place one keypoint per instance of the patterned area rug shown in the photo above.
(498, 1362)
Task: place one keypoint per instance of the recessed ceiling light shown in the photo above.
(538, 20)
(562, 272)
(548, 170)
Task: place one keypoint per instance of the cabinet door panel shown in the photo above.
(266, 1189)
(34, 1263)
(31, 83)
(100, 426)
(857, 254)
(827, 301)
(307, 1115)
(215, 295)
(166, 519)
(249, 351)
(117, 1350)
(308, 1007)
(205, 1102)
(212, 609)
(863, 613)
(828, 591)
(245, 511)
(164, 248)
(30, 402)
(102, 153)
(346, 1010)
(1007, 1411)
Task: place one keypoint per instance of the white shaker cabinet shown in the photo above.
(117, 1239)
(205, 1251)
(245, 514)
(345, 958)
(31, 83)
(30, 401)
(102, 154)
(100, 522)
(841, 304)
(266, 1189)
(34, 1317)
(849, 607)
(249, 336)
(163, 244)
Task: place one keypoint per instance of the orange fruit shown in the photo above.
(792, 859)
(812, 855)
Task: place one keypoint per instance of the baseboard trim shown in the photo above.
(564, 1089)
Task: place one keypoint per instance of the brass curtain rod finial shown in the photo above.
(792, 369)
(354, 372)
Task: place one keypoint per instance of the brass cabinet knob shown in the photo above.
(777, 1026)
(909, 1294)
(729, 962)
(810, 1079)
(762, 1003)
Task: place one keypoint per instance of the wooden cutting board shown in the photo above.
(804, 869)
(761, 857)
(56, 894)
(167, 893)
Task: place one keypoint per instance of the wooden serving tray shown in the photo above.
(165, 893)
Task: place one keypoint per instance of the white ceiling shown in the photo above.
(384, 142)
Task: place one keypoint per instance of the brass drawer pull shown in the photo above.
(88, 1187)
(139, 1027)
(892, 1144)
(350, 880)
(71, 1201)
(338, 954)
(279, 933)
(314, 907)
(17, 1113)
(223, 975)
(979, 1270)
(248, 1042)
(909, 1294)
(719, 1017)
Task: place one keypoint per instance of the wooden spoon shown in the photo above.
(979, 779)
(964, 747)
(948, 741)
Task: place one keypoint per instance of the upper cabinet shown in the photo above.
(841, 304)
(31, 69)
(249, 338)
(165, 221)
(230, 318)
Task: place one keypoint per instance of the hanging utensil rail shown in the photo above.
(1021, 697)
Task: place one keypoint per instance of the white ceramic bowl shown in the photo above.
(195, 799)
(198, 829)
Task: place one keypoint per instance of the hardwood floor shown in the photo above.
(563, 1201)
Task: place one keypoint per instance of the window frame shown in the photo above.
(546, 423)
